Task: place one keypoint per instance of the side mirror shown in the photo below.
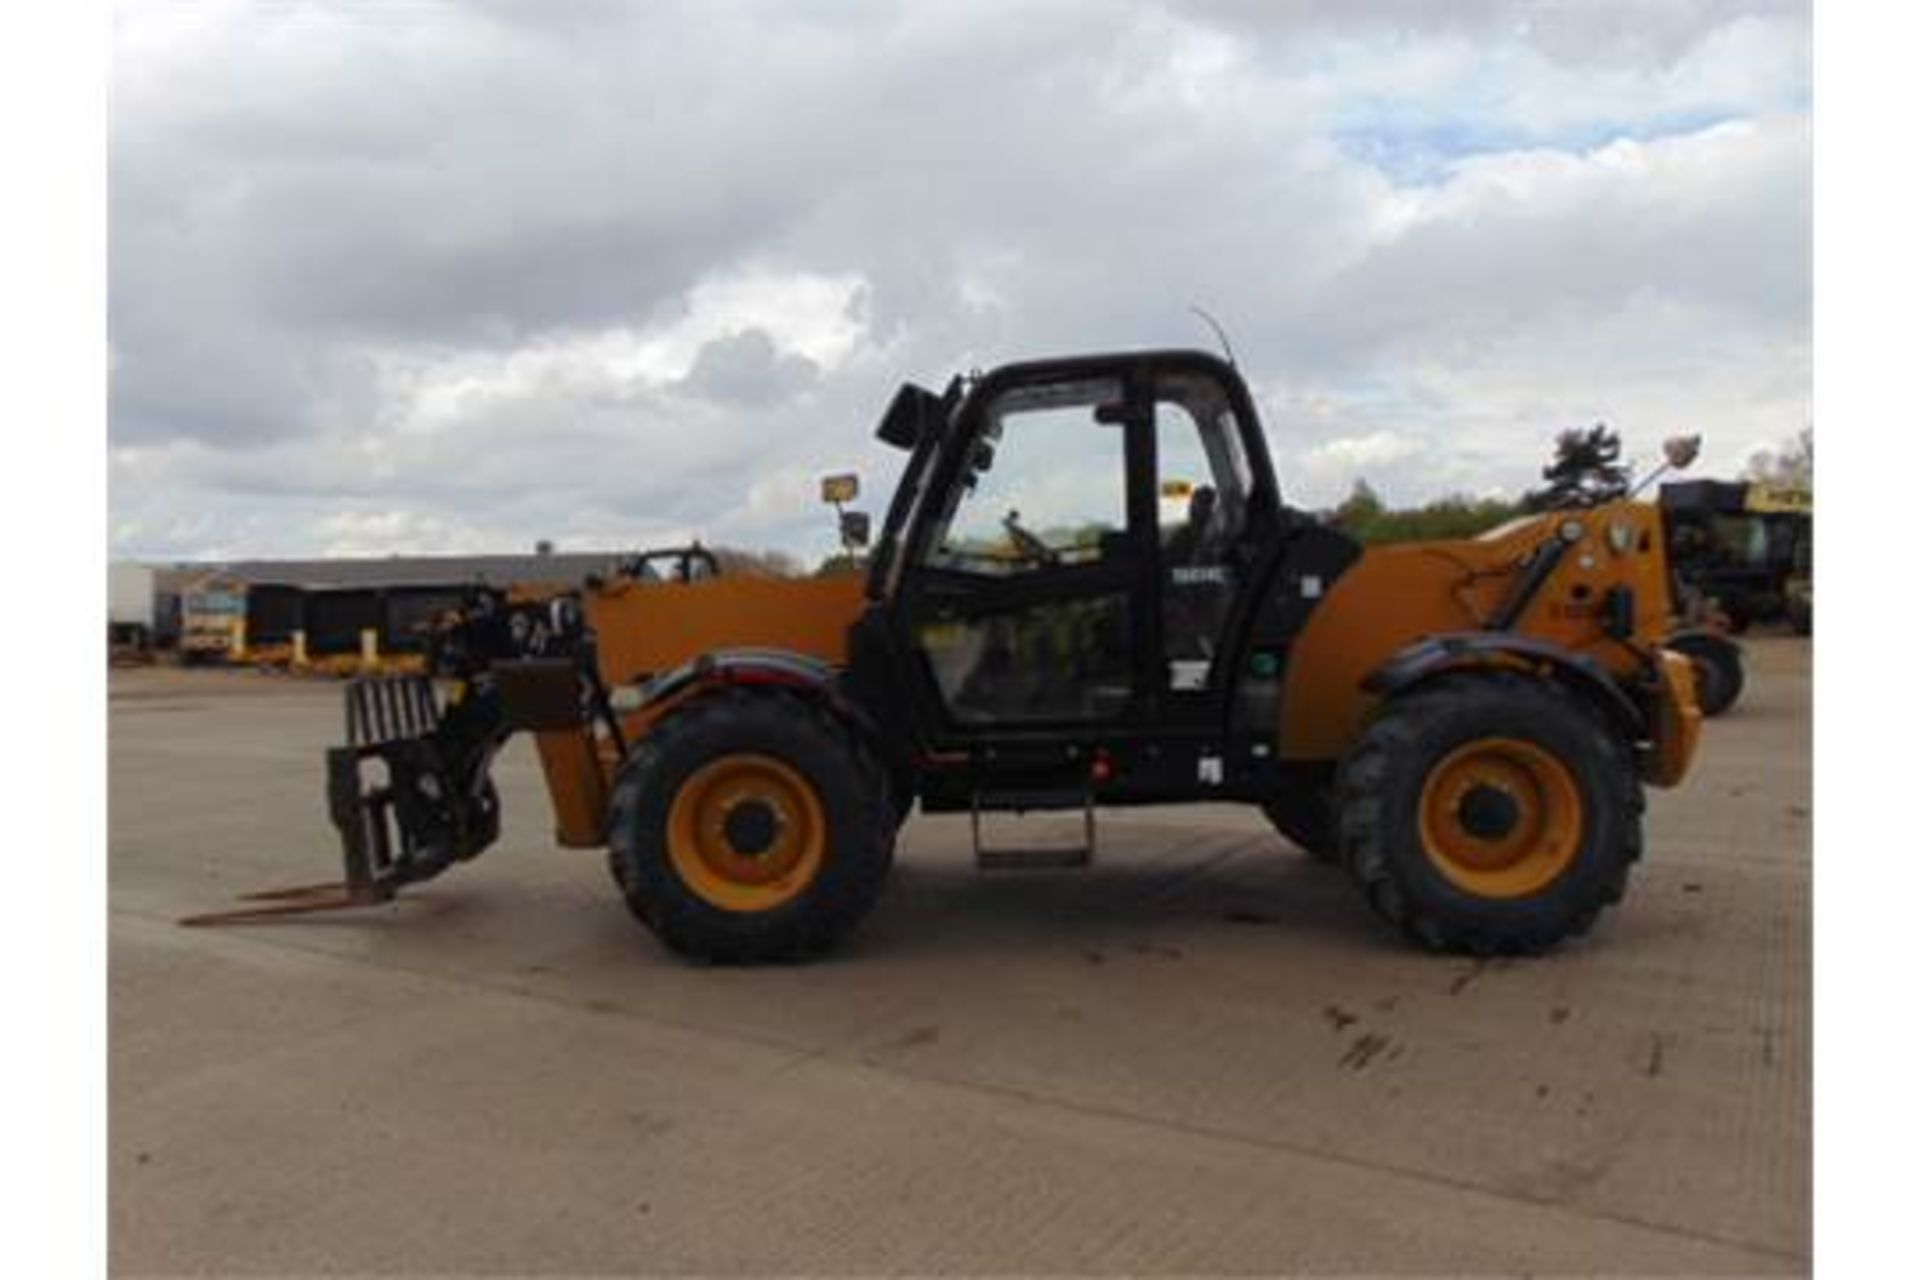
(1681, 451)
(982, 457)
(856, 528)
(914, 410)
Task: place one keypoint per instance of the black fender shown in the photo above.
(741, 667)
(1464, 650)
(818, 681)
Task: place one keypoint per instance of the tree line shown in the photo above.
(1585, 470)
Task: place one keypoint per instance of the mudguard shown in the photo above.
(740, 667)
(781, 667)
(1465, 649)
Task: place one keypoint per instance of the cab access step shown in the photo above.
(1033, 857)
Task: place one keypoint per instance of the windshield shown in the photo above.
(1044, 485)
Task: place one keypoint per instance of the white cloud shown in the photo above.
(483, 273)
(1375, 449)
(375, 532)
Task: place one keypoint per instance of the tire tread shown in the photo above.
(833, 905)
(1391, 742)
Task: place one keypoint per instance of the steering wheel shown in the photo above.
(1029, 546)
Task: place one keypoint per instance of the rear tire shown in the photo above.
(1719, 674)
(1489, 813)
(750, 828)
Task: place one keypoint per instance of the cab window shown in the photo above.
(1204, 484)
(1045, 485)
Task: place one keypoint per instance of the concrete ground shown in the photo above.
(1201, 1055)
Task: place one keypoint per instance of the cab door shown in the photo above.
(1022, 607)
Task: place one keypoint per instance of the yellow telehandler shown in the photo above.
(1087, 591)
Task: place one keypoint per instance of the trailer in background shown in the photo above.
(130, 611)
(1747, 548)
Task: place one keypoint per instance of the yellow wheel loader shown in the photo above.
(1087, 591)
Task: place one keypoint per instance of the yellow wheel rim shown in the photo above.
(746, 833)
(1501, 818)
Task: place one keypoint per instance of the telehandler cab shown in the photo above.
(1086, 591)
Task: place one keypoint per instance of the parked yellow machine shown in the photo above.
(1087, 591)
(213, 620)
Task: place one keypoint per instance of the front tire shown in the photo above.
(1719, 675)
(1489, 813)
(750, 828)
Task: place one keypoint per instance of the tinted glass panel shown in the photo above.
(1061, 661)
(1204, 482)
(1046, 486)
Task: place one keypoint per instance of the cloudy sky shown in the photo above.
(408, 276)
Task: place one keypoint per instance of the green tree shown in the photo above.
(1585, 471)
(1789, 467)
(741, 563)
(1360, 512)
(1455, 516)
(839, 564)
